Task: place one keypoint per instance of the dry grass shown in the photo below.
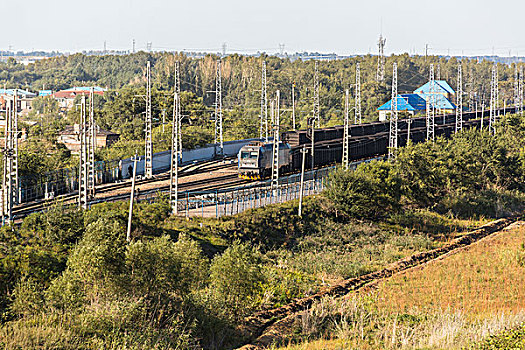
(446, 304)
(485, 279)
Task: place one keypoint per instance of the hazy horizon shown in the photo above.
(345, 28)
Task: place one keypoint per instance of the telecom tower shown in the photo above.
(358, 117)
(263, 127)
(315, 111)
(431, 105)
(83, 158)
(148, 163)
(91, 145)
(175, 154)
(276, 141)
(493, 99)
(10, 194)
(218, 111)
(459, 101)
(346, 131)
(380, 76)
(392, 140)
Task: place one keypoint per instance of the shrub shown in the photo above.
(369, 192)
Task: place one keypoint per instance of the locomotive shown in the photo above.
(366, 141)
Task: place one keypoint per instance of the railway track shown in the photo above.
(25, 209)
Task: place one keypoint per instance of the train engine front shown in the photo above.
(255, 160)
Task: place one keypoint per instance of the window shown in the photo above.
(248, 155)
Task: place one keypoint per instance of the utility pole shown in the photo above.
(133, 45)
(380, 75)
(92, 145)
(148, 162)
(303, 151)
(276, 141)
(493, 99)
(175, 155)
(83, 158)
(132, 197)
(293, 106)
(431, 104)
(218, 111)
(459, 101)
(358, 117)
(315, 111)
(346, 131)
(392, 140)
(263, 117)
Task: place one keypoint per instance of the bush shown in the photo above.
(236, 278)
(372, 191)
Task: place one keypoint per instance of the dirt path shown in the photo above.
(272, 326)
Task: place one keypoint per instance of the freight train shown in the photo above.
(366, 141)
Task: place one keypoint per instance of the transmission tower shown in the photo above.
(392, 140)
(148, 163)
(91, 145)
(176, 152)
(380, 76)
(520, 90)
(346, 131)
(315, 111)
(218, 111)
(10, 179)
(431, 105)
(275, 128)
(83, 158)
(516, 90)
(459, 101)
(263, 118)
(493, 99)
(358, 117)
(179, 106)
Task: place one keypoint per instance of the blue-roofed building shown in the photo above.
(43, 93)
(438, 94)
(411, 103)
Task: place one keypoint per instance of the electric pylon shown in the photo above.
(10, 179)
(218, 111)
(148, 163)
(176, 152)
(380, 76)
(275, 128)
(346, 131)
(493, 99)
(83, 158)
(358, 117)
(263, 117)
(392, 140)
(459, 101)
(516, 90)
(315, 111)
(179, 106)
(91, 145)
(431, 105)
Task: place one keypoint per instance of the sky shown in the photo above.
(346, 27)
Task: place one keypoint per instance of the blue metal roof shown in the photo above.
(45, 92)
(440, 102)
(440, 86)
(20, 92)
(406, 102)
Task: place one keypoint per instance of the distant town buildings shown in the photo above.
(70, 137)
(67, 97)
